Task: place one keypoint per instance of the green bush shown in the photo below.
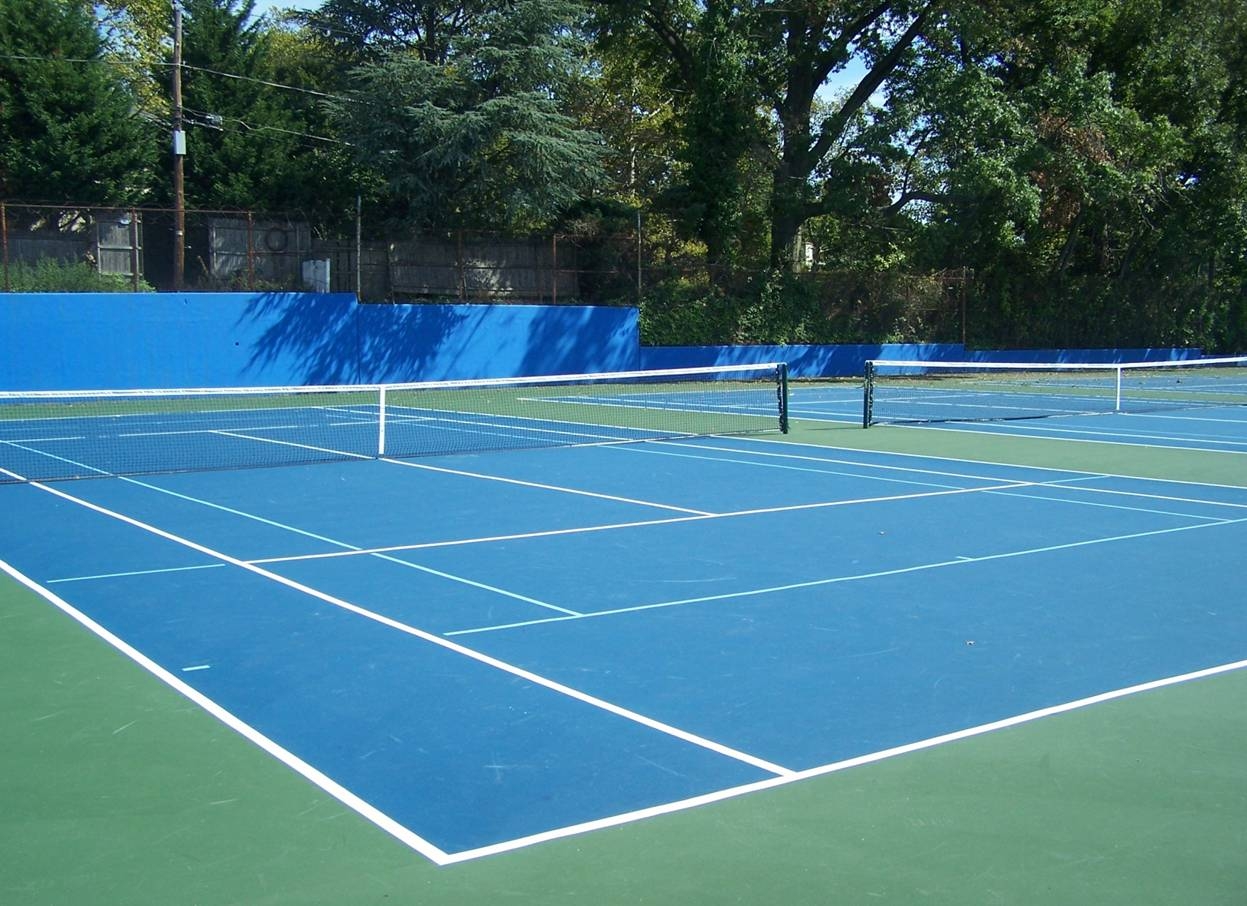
(779, 308)
(51, 276)
(684, 312)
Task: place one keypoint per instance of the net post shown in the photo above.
(1117, 392)
(381, 421)
(781, 390)
(868, 395)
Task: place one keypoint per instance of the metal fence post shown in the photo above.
(4, 239)
(461, 266)
(250, 252)
(134, 249)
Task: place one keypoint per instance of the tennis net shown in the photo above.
(898, 392)
(53, 435)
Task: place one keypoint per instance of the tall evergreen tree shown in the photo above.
(248, 143)
(68, 130)
(366, 31)
(480, 140)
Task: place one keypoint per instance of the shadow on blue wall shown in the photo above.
(402, 343)
(330, 339)
(581, 340)
(313, 335)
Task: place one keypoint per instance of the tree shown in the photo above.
(69, 129)
(251, 142)
(479, 140)
(736, 57)
(136, 34)
(366, 31)
(1086, 162)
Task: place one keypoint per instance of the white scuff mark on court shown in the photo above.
(124, 727)
(662, 767)
(195, 667)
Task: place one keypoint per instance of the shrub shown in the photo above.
(51, 276)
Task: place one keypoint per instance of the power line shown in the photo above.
(217, 72)
(231, 75)
(208, 120)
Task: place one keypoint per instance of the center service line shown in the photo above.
(447, 644)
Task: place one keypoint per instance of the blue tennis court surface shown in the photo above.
(1207, 427)
(482, 651)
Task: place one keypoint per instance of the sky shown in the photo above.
(263, 6)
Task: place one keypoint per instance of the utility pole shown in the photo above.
(179, 155)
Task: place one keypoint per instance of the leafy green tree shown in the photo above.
(366, 31)
(68, 129)
(480, 140)
(136, 34)
(742, 64)
(251, 143)
(1078, 161)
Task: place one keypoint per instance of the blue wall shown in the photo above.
(1092, 356)
(115, 340)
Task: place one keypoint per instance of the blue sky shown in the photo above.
(263, 6)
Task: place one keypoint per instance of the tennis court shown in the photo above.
(518, 645)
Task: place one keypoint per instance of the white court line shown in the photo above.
(135, 572)
(472, 654)
(286, 757)
(18, 441)
(545, 487)
(348, 549)
(462, 421)
(176, 417)
(285, 443)
(1107, 506)
(1054, 483)
(1189, 418)
(823, 415)
(185, 431)
(989, 462)
(990, 489)
(1129, 436)
(874, 466)
(1014, 429)
(788, 508)
(487, 539)
(47, 455)
(837, 766)
(835, 580)
(440, 857)
(754, 462)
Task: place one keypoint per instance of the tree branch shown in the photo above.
(914, 195)
(838, 52)
(833, 128)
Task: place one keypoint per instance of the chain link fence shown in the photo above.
(73, 248)
(139, 248)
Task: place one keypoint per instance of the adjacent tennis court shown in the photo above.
(567, 624)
